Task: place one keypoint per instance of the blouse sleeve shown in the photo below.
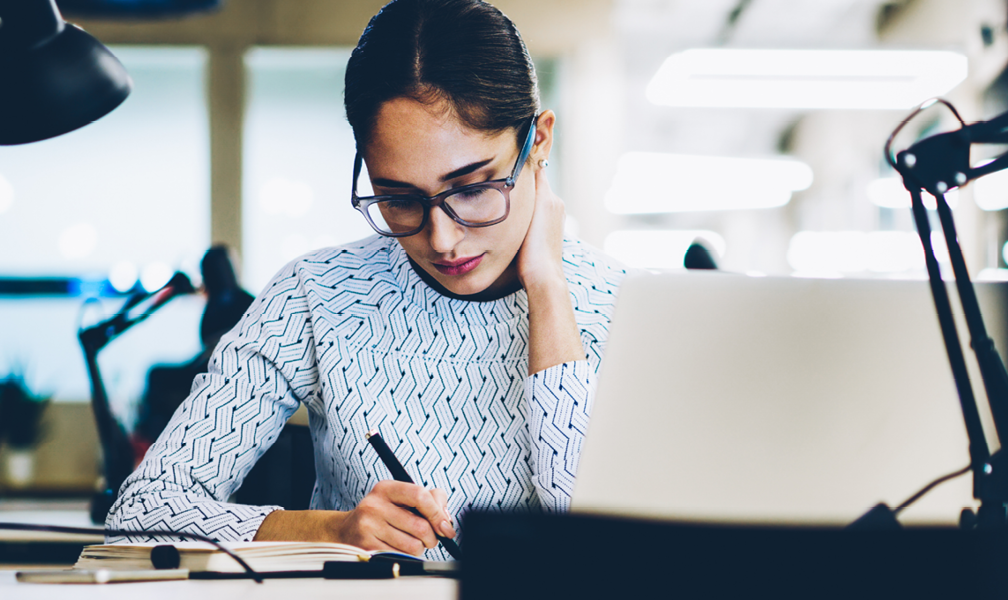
(560, 400)
(258, 375)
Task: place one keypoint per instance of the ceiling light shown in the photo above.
(123, 276)
(284, 196)
(991, 192)
(154, 276)
(648, 182)
(78, 241)
(6, 195)
(834, 253)
(658, 249)
(805, 79)
(889, 192)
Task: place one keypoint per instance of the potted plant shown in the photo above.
(20, 429)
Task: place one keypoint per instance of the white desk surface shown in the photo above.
(46, 512)
(74, 514)
(407, 588)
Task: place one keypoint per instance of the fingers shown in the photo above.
(404, 524)
(442, 499)
(414, 496)
(375, 529)
(409, 533)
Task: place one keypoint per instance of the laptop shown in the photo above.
(736, 399)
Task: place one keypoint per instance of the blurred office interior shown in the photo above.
(235, 134)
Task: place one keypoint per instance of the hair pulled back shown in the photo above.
(463, 52)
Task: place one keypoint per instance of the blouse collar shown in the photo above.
(508, 308)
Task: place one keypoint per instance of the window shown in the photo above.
(128, 194)
(298, 159)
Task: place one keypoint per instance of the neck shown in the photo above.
(506, 285)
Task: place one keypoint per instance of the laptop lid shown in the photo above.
(731, 398)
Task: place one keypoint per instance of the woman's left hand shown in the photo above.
(539, 259)
(554, 336)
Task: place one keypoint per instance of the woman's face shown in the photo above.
(425, 149)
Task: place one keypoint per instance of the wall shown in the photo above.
(577, 28)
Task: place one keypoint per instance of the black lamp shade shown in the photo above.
(54, 77)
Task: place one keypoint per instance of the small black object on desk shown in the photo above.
(360, 570)
(549, 556)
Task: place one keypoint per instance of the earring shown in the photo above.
(543, 163)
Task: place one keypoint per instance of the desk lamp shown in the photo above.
(936, 165)
(54, 77)
(117, 450)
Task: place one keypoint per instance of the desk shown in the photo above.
(68, 513)
(407, 588)
(75, 515)
(39, 547)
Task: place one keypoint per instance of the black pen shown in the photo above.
(400, 474)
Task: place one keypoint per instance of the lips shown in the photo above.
(458, 267)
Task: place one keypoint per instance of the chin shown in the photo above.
(463, 288)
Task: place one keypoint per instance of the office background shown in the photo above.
(235, 134)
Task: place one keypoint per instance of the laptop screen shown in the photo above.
(777, 400)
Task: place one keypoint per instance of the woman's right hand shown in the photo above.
(381, 521)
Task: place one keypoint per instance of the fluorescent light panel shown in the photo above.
(658, 249)
(648, 182)
(991, 191)
(836, 253)
(889, 192)
(805, 79)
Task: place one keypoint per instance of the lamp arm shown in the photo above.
(937, 164)
(117, 451)
(978, 449)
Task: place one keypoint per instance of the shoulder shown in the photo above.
(369, 255)
(586, 265)
(594, 279)
(328, 267)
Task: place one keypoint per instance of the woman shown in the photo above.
(468, 332)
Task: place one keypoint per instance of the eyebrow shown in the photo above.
(392, 183)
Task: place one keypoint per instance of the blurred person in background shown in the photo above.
(168, 385)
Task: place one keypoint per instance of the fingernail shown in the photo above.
(446, 529)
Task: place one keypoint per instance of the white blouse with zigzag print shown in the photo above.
(355, 334)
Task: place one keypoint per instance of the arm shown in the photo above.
(234, 413)
(560, 385)
(560, 400)
(554, 337)
(380, 521)
(258, 375)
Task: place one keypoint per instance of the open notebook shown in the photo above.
(264, 557)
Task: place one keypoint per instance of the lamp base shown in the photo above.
(101, 504)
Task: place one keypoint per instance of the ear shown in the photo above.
(544, 137)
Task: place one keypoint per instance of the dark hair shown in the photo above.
(463, 52)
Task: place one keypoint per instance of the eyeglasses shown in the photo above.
(475, 205)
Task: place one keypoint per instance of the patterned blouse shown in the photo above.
(355, 335)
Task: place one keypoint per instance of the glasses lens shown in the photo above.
(396, 216)
(479, 205)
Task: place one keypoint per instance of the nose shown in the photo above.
(443, 232)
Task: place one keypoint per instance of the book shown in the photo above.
(264, 557)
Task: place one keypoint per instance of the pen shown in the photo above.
(360, 570)
(400, 474)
